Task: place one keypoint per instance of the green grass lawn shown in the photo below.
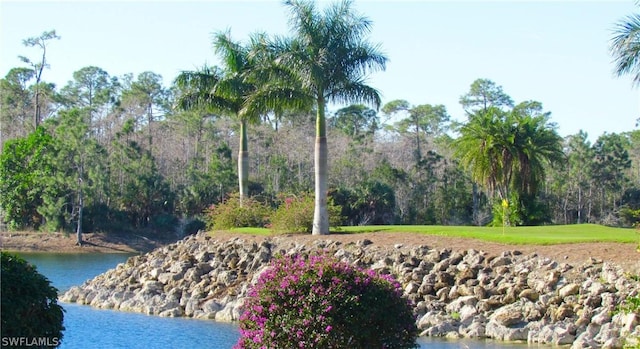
(542, 235)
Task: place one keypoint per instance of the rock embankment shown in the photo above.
(511, 296)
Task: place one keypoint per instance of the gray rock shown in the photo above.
(441, 329)
(562, 336)
(607, 333)
(529, 294)
(500, 261)
(498, 331)
(602, 317)
(431, 319)
(569, 290)
(467, 314)
(411, 287)
(586, 338)
(476, 329)
(507, 316)
(457, 304)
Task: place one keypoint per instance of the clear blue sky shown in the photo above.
(555, 52)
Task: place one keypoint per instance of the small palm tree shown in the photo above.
(484, 147)
(508, 151)
(536, 145)
(328, 60)
(625, 47)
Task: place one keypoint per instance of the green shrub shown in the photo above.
(318, 302)
(629, 217)
(29, 305)
(295, 214)
(230, 214)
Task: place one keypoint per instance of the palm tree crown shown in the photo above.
(625, 47)
(328, 53)
(227, 91)
(328, 59)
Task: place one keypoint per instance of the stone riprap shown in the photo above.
(457, 294)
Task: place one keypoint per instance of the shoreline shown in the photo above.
(43, 242)
(472, 293)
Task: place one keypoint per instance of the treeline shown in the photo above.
(125, 153)
(138, 163)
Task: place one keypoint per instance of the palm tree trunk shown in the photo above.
(320, 213)
(475, 210)
(243, 162)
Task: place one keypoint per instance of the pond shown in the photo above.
(87, 327)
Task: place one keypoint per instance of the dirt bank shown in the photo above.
(66, 243)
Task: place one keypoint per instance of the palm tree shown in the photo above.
(536, 145)
(226, 91)
(508, 151)
(484, 149)
(625, 47)
(329, 60)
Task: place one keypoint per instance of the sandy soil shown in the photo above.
(66, 243)
(625, 255)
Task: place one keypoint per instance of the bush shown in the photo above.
(29, 304)
(319, 302)
(229, 214)
(295, 214)
(630, 217)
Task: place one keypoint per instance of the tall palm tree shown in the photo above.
(329, 59)
(226, 91)
(625, 47)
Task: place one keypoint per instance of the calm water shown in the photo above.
(87, 327)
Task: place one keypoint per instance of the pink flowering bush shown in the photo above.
(318, 302)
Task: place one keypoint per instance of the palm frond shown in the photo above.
(232, 53)
(625, 48)
(195, 88)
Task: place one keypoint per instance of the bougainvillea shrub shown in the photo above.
(317, 301)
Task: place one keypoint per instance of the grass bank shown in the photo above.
(539, 235)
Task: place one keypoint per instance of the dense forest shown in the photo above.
(135, 152)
